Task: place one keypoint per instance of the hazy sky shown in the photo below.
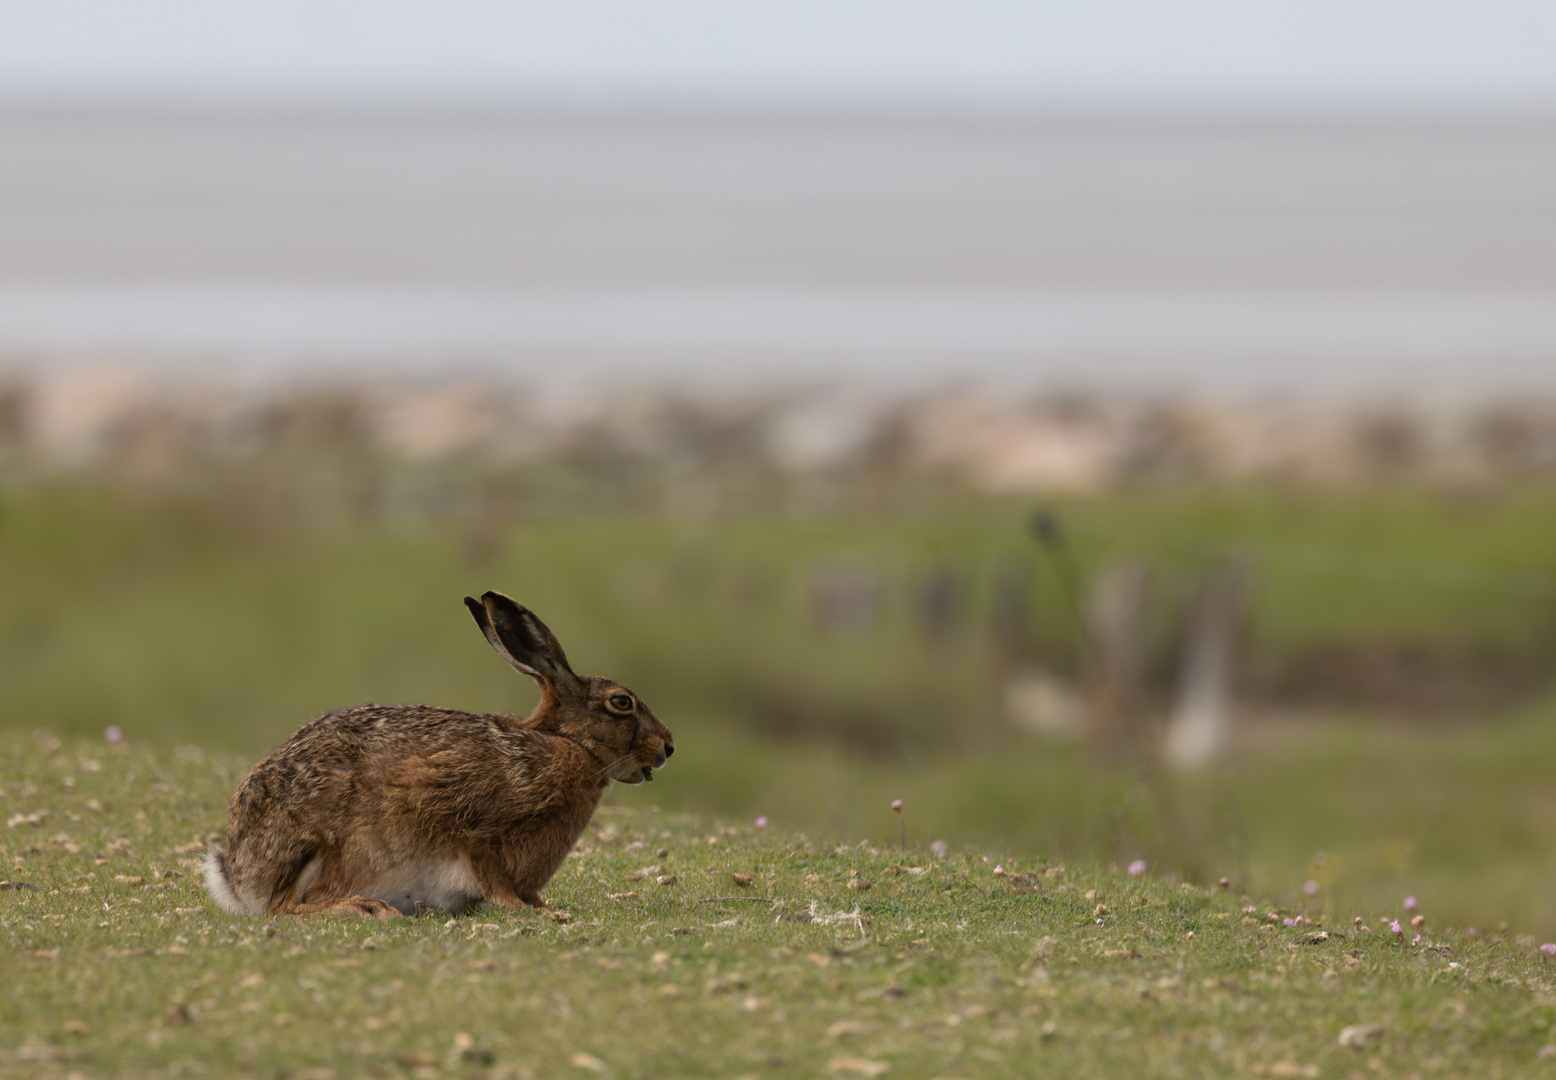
(1431, 55)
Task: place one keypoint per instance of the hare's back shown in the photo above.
(368, 754)
(366, 730)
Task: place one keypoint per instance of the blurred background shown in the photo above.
(1118, 430)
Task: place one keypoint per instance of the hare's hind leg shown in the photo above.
(349, 907)
(318, 888)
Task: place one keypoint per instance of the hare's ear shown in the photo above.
(521, 639)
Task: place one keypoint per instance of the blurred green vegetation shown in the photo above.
(1460, 819)
(228, 624)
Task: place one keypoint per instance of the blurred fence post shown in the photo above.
(1115, 611)
(937, 603)
(845, 598)
(1010, 613)
(1200, 726)
(15, 405)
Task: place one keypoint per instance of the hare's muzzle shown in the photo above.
(666, 749)
(654, 756)
(652, 745)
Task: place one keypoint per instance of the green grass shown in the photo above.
(1459, 818)
(198, 622)
(116, 964)
(229, 625)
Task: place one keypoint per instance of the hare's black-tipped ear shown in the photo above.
(518, 636)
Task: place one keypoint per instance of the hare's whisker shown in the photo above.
(607, 768)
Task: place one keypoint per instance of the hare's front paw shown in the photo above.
(515, 902)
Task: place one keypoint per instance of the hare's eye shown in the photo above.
(620, 703)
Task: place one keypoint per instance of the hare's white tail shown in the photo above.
(220, 885)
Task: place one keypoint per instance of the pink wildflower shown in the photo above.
(761, 822)
(1288, 922)
(938, 849)
(1410, 903)
(114, 734)
(1395, 930)
(1310, 887)
(1137, 868)
(896, 807)
(1549, 948)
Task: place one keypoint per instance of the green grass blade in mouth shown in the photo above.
(648, 774)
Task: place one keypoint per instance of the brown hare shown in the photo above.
(388, 809)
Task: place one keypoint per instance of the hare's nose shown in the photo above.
(669, 749)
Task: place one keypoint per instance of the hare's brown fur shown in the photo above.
(383, 809)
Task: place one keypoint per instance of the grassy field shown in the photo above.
(834, 958)
(1460, 817)
(197, 622)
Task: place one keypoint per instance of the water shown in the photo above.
(1307, 257)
